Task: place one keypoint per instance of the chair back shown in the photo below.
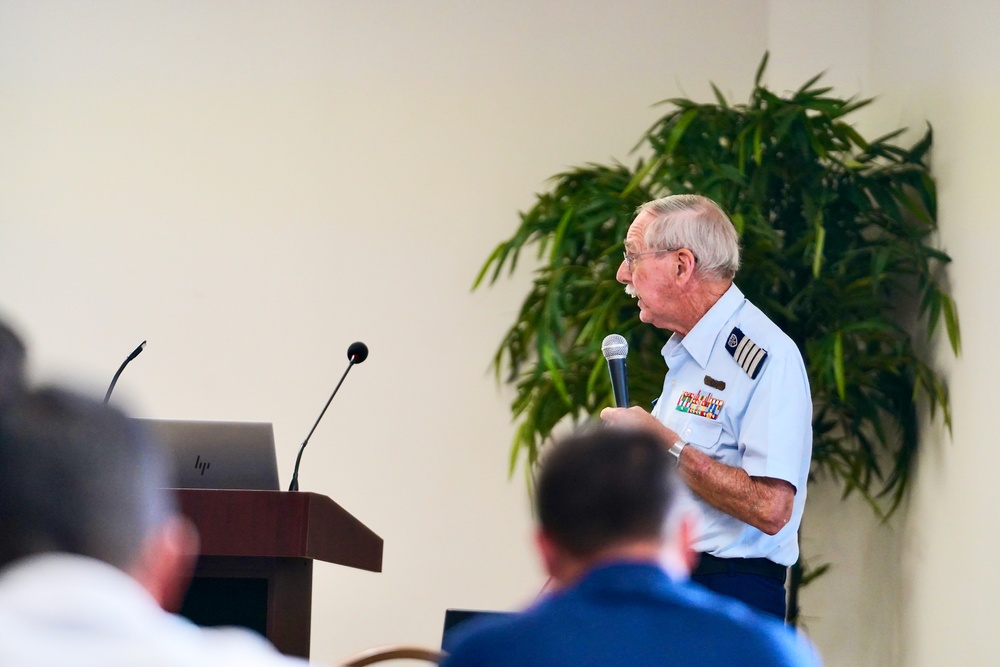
(394, 652)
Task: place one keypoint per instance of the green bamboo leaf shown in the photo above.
(853, 135)
(494, 257)
(739, 222)
(818, 245)
(640, 176)
(677, 131)
(882, 142)
(813, 573)
(760, 70)
(560, 235)
(933, 253)
(515, 450)
(719, 97)
(555, 375)
(596, 374)
(951, 323)
(932, 304)
(838, 365)
(804, 88)
(920, 149)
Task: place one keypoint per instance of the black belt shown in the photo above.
(710, 564)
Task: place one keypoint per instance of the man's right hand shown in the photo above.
(637, 418)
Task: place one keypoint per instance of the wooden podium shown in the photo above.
(257, 551)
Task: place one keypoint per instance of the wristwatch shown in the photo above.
(677, 448)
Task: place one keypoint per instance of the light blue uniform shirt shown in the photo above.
(762, 424)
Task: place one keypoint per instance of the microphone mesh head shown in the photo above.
(357, 352)
(614, 346)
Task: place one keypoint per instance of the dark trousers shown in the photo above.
(755, 581)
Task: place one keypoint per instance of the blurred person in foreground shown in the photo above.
(618, 550)
(735, 410)
(12, 363)
(93, 549)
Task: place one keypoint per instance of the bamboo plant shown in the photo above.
(837, 234)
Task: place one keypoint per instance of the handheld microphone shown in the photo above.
(615, 347)
(356, 353)
(135, 353)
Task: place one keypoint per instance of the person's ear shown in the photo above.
(686, 264)
(685, 539)
(561, 567)
(548, 552)
(679, 557)
(165, 566)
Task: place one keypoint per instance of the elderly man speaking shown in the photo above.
(735, 408)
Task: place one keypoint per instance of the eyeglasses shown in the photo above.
(630, 257)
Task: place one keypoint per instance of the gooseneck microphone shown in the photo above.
(356, 353)
(615, 348)
(135, 353)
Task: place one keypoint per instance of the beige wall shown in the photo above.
(251, 186)
(937, 62)
(917, 596)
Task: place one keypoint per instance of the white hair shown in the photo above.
(698, 224)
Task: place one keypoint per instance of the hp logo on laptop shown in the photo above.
(201, 465)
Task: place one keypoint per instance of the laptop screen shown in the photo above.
(456, 617)
(218, 454)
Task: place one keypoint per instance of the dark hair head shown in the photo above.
(76, 476)
(12, 362)
(604, 486)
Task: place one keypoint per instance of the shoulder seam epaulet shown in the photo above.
(746, 353)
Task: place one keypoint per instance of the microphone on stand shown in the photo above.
(135, 353)
(615, 348)
(356, 353)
